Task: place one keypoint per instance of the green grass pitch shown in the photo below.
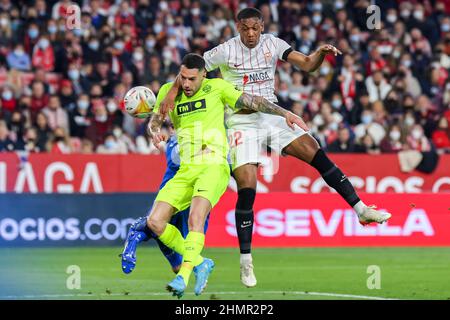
(297, 273)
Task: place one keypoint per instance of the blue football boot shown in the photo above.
(202, 272)
(176, 286)
(134, 237)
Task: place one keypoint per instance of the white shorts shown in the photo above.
(249, 134)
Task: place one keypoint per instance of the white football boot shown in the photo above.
(248, 278)
(370, 215)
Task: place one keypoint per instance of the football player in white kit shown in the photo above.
(249, 61)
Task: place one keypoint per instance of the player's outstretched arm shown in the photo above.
(256, 103)
(154, 129)
(314, 60)
(168, 102)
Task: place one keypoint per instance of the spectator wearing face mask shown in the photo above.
(283, 96)
(368, 126)
(416, 139)
(18, 59)
(80, 117)
(114, 112)
(31, 37)
(421, 21)
(92, 50)
(43, 55)
(118, 57)
(8, 101)
(123, 139)
(393, 142)
(111, 146)
(137, 67)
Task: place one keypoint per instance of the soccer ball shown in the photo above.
(139, 102)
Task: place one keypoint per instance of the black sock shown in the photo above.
(334, 177)
(244, 218)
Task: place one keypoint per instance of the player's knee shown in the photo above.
(157, 226)
(245, 176)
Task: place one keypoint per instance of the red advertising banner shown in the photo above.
(80, 173)
(325, 220)
(143, 173)
(368, 173)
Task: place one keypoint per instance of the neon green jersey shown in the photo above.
(199, 120)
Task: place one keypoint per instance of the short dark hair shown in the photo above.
(247, 13)
(193, 61)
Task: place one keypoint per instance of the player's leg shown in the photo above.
(167, 233)
(181, 221)
(307, 149)
(246, 179)
(245, 148)
(175, 196)
(210, 185)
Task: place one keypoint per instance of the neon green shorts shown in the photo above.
(207, 181)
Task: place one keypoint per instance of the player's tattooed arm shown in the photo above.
(154, 128)
(312, 62)
(256, 103)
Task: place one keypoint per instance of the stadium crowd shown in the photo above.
(62, 87)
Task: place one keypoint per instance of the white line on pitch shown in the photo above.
(149, 294)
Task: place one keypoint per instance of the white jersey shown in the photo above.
(250, 70)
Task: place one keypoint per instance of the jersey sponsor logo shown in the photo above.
(256, 77)
(191, 106)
